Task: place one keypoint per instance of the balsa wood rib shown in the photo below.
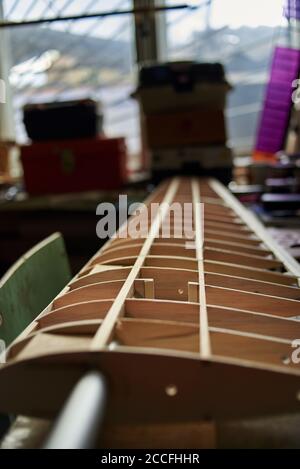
(210, 312)
(127, 290)
(199, 245)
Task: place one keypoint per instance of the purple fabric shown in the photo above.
(275, 97)
(285, 53)
(281, 75)
(277, 103)
(292, 9)
(269, 144)
(272, 133)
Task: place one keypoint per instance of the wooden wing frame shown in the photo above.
(184, 327)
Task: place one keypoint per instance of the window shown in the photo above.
(241, 35)
(75, 59)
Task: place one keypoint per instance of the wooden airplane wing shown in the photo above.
(196, 317)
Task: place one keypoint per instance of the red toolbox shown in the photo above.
(74, 165)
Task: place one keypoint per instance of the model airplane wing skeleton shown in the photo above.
(184, 329)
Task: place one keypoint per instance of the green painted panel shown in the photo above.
(31, 284)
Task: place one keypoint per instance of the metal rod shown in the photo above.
(78, 424)
(12, 24)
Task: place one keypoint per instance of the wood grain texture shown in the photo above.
(179, 325)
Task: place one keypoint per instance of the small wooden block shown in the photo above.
(193, 292)
(144, 287)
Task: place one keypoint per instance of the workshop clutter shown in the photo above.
(63, 120)
(69, 152)
(182, 106)
(74, 165)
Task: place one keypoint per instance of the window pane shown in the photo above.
(241, 35)
(75, 59)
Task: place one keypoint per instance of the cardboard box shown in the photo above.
(193, 127)
(207, 157)
(165, 98)
(74, 165)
